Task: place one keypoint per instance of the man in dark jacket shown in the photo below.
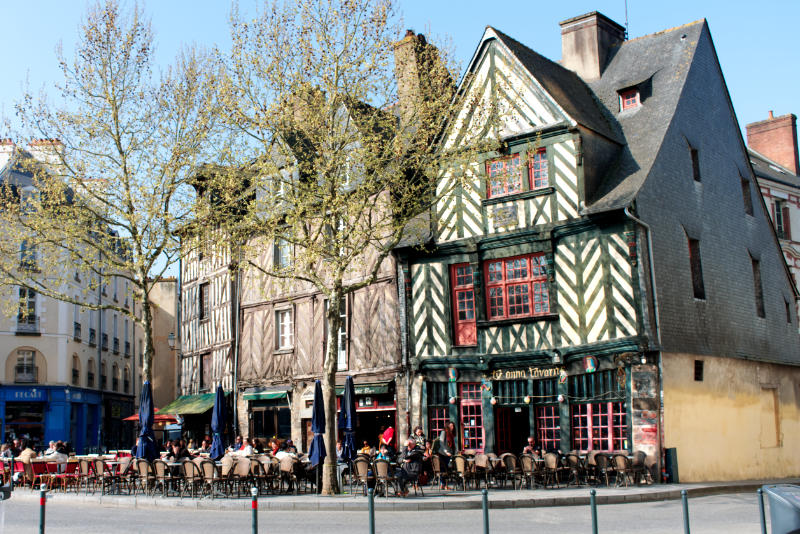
(410, 465)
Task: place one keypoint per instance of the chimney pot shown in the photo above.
(409, 33)
(770, 115)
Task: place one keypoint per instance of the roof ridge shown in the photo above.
(662, 32)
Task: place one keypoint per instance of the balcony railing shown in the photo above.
(92, 337)
(26, 374)
(27, 325)
(76, 331)
(127, 349)
(104, 339)
(116, 345)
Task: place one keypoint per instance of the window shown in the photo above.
(126, 380)
(284, 329)
(471, 416)
(538, 172)
(548, 427)
(26, 372)
(438, 411)
(204, 303)
(697, 269)
(598, 412)
(114, 377)
(461, 281)
(695, 163)
(780, 214)
(504, 176)
(26, 313)
(629, 99)
(116, 336)
(114, 286)
(271, 421)
(517, 287)
(127, 343)
(788, 311)
(103, 375)
(748, 200)
(341, 338)
(90, 374)
(76, 370)
(27, 255)
(759, 291)
(698, 370)
(283, 253)
(205, 371)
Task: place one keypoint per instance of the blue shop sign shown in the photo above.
(27, 394)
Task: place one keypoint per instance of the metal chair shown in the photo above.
(145, 476)
(163, 476)
(602, 468)
(577, 471)
(552, 469)
(192, 478)
(241, 475)
(288, 473)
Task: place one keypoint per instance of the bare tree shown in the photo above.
(338, 154)
(110, 185)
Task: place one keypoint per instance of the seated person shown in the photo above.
(532, 448)
(274, 446)
(384, 454)
(205, 446)
(178, 452)
(410, 465)
(246, 450)
(51, 449)
(290, 446)
(366, 449)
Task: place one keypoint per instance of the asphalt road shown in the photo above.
(728, 514)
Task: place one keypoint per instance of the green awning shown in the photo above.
(265, 395)
(367, 389)
(189, 404)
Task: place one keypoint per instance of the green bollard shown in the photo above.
(485, 495)
(371, 500)
(254, 506)
(42, 501)
(593, 505)
(685, 500)
(761, 509)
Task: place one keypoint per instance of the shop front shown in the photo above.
(193, 413)
(116, 433)
(582, 405)
(269, 413)
(50, 413)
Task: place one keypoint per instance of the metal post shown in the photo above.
(761, 509)
(685, 500)
(485, 494)
(42, 501)
(254, 506)
(593, 505)
(371, 500)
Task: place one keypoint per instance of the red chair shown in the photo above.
(68, 478)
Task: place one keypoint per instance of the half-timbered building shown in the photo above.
(597, 282)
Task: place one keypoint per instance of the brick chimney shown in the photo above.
(587, 42)
(47, 150)
(776, 138)
(7, 147)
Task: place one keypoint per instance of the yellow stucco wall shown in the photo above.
(741, 422)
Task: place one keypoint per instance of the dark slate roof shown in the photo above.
(769, 170)
(658, 64)
(566, 87)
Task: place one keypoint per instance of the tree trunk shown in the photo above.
(330, 482)
(147, 332)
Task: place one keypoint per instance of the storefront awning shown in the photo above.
(265, 394)
(189, 404)
(159, 418)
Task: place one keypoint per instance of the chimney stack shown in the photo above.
(586, 43)
(47, 151)
(776, 138)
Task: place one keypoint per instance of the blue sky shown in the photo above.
(757, 42)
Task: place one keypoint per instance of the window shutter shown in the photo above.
(787, 228)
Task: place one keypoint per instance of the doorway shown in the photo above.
(512, 427)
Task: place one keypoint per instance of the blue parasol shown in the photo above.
(218, 425)
(347, 421)
(146, 448)
(317, 452)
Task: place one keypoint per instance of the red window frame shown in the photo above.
(517, 287)
(548, 427)
(471, 412)
(629, 99)
(538, 173)
(437, 417)
(503, 176)
(599, 426)
(463, 295)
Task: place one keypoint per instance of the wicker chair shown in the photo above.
(461, 471)
(240, 476)
(360, 475)
(624, 470)
(530, 470)
(192, 478)
(146, 478)
(163, 476)
(641, 469)
(288, 473)
(577, 471)
(602, 468)
(104, 476)
(512, 469)
(552, 469)
(384, 477)
(482, 470)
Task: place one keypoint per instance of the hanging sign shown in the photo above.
(590, 364)
(527, 373)
(452, 374)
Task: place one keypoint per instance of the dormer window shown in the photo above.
(629, 99)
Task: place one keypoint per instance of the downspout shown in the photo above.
(236, 306)
(401, 296)
(99, 340)
(657, 326)
(178, 358)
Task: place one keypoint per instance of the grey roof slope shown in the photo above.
(658, 64)
(769, 170)
(566, 87)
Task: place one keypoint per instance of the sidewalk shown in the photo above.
(433, 500)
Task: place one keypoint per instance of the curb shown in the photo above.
(349, 503)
